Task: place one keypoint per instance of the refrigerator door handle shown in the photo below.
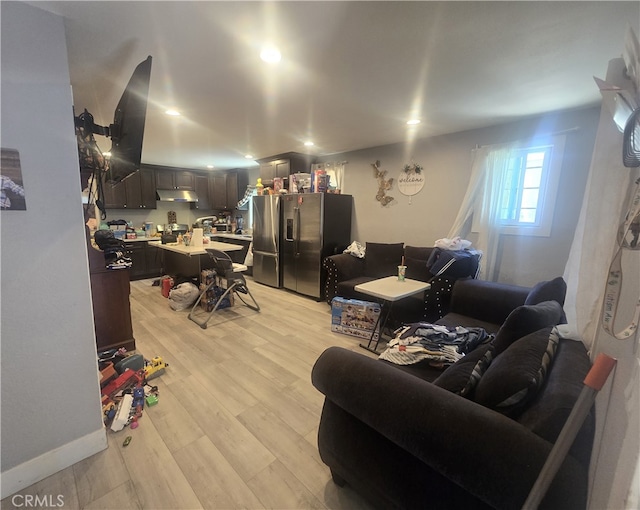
(297, 245)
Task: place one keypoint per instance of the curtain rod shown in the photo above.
(554, 133)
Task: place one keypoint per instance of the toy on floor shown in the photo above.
(154, 368)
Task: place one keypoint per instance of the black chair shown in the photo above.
(236, 285)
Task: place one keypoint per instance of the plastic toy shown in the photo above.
(154, 368)
(127, 379)
(138, 400)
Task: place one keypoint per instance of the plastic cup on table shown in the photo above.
(402, 270)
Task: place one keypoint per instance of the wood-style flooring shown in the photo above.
(237, 418)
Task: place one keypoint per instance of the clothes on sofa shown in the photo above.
(439, 344)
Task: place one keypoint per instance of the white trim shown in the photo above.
(549, 193)
(38, 468)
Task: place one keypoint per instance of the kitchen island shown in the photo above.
(189, 261)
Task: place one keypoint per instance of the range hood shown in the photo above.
(176, 195)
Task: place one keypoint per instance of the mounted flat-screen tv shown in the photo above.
(127, 130)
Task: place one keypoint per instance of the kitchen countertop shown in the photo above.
(241, 237)
(139, 239)
(198, 250)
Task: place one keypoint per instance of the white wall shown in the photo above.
(51, 416)
(429, 215)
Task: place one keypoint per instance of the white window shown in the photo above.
(529, 188)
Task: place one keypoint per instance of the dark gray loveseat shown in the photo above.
(409, 439)
(345, 271)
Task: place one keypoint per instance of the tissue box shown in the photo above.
(355, 317)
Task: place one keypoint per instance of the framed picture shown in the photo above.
(11, 184)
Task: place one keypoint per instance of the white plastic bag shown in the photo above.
(355, 249)
(452, 244)
(183, 296)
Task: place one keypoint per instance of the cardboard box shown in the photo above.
(355, 317)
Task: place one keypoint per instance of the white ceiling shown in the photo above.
(352, 73)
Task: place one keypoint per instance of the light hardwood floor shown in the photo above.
(237, 418)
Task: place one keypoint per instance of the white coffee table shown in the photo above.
(388, 290)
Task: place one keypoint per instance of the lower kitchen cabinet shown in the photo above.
(145, 260)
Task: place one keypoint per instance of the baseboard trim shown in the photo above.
(38, 468)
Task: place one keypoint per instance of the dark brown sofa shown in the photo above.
(414, 438)
(345, 271)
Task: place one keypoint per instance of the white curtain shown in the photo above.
(481, 204)
(617, 443)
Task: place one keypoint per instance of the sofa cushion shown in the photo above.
(515, 376)
(383, 259)
(346, 288)
(553, 290)
(415, 258)
(462, 377)
(524, 320)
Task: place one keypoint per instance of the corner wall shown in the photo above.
(51, 416)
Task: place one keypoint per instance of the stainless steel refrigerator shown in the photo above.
(267, 239)
(314, 226)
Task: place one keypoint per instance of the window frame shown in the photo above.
(548, 189)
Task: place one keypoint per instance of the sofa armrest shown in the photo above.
(490, 456)
(489, 301)
(340, 267)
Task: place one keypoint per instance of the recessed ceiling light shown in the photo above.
(309, 144)
(209, 167)
(106, 154)
(413, 122)
(270, 54)
(173, 113)
(249, 156)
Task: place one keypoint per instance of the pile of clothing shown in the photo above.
(441, 345)
(114, 253)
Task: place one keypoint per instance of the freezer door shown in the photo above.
(266, 223)
(289, 242)
(266, 269)
(266, 240)
(302, 241)
(310, 239)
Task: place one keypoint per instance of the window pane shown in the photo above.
(535, 159)
(532, 177)
(530, 199)
(527, 216)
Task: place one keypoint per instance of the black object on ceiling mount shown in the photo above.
(631, 141)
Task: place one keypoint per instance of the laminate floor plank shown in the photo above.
(172, 421)
(280, 489)
(123, 497)
(290, 447)
(157, 479)
(213, 478)
(101, 473)
(239, 446)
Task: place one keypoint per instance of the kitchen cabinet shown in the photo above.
(175, 179)
(284, 165)
(202, 190)
(145, 260)
(138, 191)
(226, 189)
(110, 291)
(115, 196)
